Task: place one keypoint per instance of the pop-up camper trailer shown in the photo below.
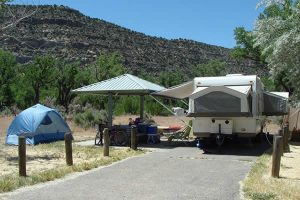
(228, 105)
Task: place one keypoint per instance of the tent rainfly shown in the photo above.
(39, 124)
(125, 84)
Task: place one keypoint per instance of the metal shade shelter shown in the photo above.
(125, 84)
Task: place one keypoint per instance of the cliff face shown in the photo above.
(68, 34)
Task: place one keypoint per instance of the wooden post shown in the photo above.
(133, 138)
(110, 110)
(68, 147)
(106, 142)
(280, 133)
(286, 147)
(22, 156)
(276, 156)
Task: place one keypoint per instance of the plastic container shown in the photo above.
(152, 129)
(142, 128)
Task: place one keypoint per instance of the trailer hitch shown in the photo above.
(220, 138)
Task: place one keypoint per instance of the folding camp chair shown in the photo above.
(183, 134)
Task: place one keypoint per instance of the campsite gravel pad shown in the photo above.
(176, 173)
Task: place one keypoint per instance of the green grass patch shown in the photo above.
(262, 196)
(85, 158)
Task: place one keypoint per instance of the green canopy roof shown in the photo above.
(125, 84)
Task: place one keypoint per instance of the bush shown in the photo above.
(6, 112)
(127, 105)
(90, 117)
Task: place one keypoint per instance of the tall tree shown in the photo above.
(213, 68)
(108, 66)
(277, 32)
(169, 79)
(7, 75)
(70, 76)
(41, 73)
(245, 46)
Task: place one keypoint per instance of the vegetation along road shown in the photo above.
(167, 173)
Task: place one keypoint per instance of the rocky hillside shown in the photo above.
(68, 34)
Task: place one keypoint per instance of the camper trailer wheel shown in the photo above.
(120, 138)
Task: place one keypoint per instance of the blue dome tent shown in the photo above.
(39, 124)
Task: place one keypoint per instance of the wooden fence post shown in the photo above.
(68, 147)
(286, 147)
(276, 156)
(133, 138)
(280, 133)
(106, 142)
(22, 156)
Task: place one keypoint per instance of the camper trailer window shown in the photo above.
(274, 105)
(216, 102)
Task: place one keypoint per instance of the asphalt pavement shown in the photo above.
(177, 172)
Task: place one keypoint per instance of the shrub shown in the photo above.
(90, 117)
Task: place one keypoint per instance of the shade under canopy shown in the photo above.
(125, 84)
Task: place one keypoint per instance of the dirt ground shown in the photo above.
(46, 160)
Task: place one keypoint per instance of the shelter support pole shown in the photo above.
(22, 156)
(106, 142)
(142, 100)
(110, 110)
(68, 146)
(276, 156)
(133, 143)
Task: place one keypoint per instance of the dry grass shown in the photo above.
(259, 185)
(46, 162)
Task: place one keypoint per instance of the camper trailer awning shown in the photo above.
(181, 91)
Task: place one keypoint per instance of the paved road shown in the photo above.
(176, 173)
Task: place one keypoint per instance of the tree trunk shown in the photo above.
(36, 94)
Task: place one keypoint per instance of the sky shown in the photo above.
(208, 21)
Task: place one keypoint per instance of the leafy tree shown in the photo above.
(7, 75)
(41, 73)
(65, 82)
(22, 90)
(3, 3)
(213, 68)
(145, 75)
(168, 79)
(245, 46)
(277, 32)
(108, 66)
